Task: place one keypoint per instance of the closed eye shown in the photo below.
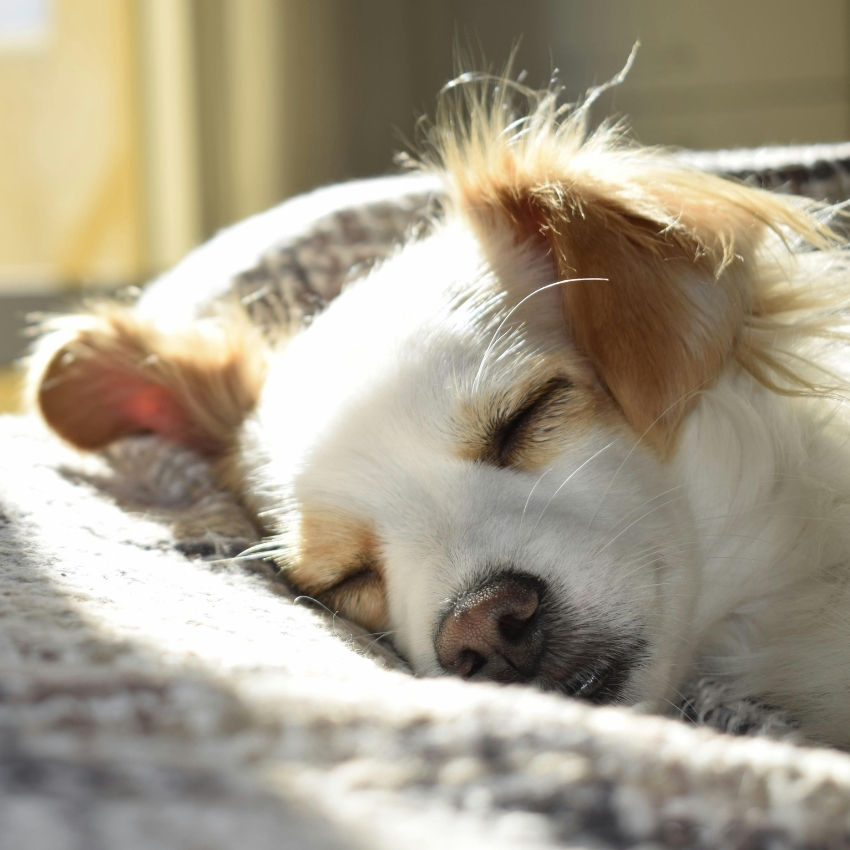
(359, 596)
(353, 581)
(530, 425)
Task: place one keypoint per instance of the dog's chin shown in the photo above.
(599, 670)
(604, 673)
(616, 676)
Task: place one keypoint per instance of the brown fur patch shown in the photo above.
(684, 292)
(659, 328)
(110, 374)
(661, 322)
(526, 425)
(336, 558)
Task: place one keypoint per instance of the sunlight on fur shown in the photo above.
(524, 154)
(588, 433)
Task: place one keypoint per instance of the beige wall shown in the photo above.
(172, 137)
(717, 74)
(70, 197)
(139, 127)
(345, 79)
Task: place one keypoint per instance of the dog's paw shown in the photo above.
(711, 702)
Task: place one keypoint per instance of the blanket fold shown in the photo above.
(157, 690)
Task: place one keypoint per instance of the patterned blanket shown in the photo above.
(156, 691)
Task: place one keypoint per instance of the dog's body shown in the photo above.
(587, 433)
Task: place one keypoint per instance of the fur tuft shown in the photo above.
(109, 373)
(501, 146)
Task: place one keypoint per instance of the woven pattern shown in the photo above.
(155, 691)
(293, 280)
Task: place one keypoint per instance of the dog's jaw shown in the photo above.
(363, 417)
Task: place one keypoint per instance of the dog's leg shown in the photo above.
(711, 702)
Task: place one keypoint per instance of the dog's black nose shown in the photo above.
(493, 632)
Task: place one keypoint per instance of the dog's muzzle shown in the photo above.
(510, 630)
(494, 632)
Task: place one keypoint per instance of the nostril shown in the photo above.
(472, 664)
(513, 627)
(494, 631)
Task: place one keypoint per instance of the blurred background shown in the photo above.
(132, 130)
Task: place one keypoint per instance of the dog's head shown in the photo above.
(473, 447)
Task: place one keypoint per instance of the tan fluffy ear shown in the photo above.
(663, 320)
(103, 376)
(678, 249)
(656, 307)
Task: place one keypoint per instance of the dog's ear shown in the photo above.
(669, 303)
(106, 375)
(657, 263)
(677, 249)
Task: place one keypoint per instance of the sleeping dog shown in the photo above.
(588, 433)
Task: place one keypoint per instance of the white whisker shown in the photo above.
(513, 309)
(531, 493)
(569, 478)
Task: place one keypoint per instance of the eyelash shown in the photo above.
(360, 597)
(353, 583)
(509, 435)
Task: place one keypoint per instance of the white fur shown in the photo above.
(732, 553)
(356, 413)
(766, 480)
(728, 553)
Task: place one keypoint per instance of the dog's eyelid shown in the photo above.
(507, 434)
(362, 573)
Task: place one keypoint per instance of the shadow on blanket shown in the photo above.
(104, 741)
(154, 693)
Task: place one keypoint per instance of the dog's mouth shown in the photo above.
(510, 628)
(602, 680)
(599, 682)
(590, 684)
(590, 663)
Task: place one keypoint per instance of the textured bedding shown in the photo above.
(159, 691)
